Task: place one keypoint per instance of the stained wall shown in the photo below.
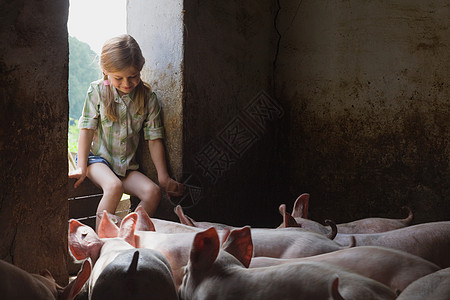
(33, 135)
(365, 86)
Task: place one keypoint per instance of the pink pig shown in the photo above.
(174, 246)
(430, 241)
(213, 273)
(118, 265)
(396, 269)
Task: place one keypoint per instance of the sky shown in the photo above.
(95, 21)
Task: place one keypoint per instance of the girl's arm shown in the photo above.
(157, 153)
(84, 145)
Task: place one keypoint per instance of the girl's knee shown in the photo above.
(114, 187)
(151, 194)
(150, 199)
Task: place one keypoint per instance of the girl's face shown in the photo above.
(125, 81)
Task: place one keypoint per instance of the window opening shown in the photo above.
(89, 25)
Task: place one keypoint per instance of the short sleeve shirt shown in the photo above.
(117, 141)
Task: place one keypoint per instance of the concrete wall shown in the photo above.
(33, 135)
(158, 28)
(365, 86)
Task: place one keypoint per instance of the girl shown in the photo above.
(115, 110)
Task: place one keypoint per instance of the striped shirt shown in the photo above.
(117, 141)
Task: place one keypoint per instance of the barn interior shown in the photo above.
(262, 100)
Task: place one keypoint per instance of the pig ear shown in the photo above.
(300, 209)
(75, 286)
(143, 223)
(282, 209)
(205, 249)
(107, 228)
(46, 273)
(183, 218)
(128, 227)
(334, 292)
(289, 221)
(83, 241)
(239, 244)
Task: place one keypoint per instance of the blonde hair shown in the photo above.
(120, 53)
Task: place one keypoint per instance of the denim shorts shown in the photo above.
(92, 159)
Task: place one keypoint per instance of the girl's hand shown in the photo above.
(172, 187)
(79, 174)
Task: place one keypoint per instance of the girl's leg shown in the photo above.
(139, 185)
(102, 176)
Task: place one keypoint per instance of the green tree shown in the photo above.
(83, 69)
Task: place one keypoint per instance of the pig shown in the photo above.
(430, 241)
(288, 221)
(174, 246)
(145, 223)
(292, 243)
(137, 274)
(85, 243)
(435, 286)
(304, 223)
(283, 243)
(214, 273)
(394, 268)
(367, 225)
(16, 283)
(113, 256)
